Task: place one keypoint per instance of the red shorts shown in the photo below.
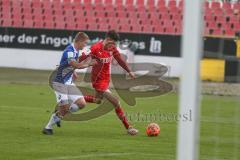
(101, 85)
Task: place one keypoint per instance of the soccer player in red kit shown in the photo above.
(104, 51)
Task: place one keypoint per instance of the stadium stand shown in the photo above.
(144, 16)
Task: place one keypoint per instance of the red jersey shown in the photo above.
(101, 71)
(100, 74)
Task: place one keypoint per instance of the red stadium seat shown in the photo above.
(155, 22)
(164, 16)
(81, 26)
(161, 3)
(57, 5)
(215, 5)
(26, 3)
(59, 25)
(71, 26)
(6, 22)
(217, 31)
(236, 6)
(38, 17)
(58, 12)
(236, 25)
(5, 3)
(206, 4)
(143, 15)
(178, 30)
(228, 12)
(211, 24)
(147, 28)
(162, 9)
(103, 27)
(36, 4)
(118, 2)
(92, 26)
(169, 30)
(28, 23)
(17, 16)
(154, 15)
(229, 32)
(121, 14)
(218, 11)
(108, 2)
(80, 13)
(69, 13)
(87, 2)
(140, 2)
(150, 2)
(158, 29)
(129, 3)
(90, 14)
(48, 12)
(37, 11)
(101, 14)
(27, 16)
(172, 3)
(124, 28)
(99, 7)
(167, 23)
(220, 18)
(17, 23)
(111, 14)
(209, 17)
(175, 17)
(47, 4)
(67, 1)
(136, 28)
(48, 24)
(226, 5)
(103, 20)
(132, 15)
(134, 21)
(181, 4)
(173, 10)
(130, 8)
(141, 8)
(123, 21)
(96, 2)
(68, 5)
(120, 8)
(91, 20)
(27, 10)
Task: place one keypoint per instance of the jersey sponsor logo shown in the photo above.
(70, 54)
(106, 60)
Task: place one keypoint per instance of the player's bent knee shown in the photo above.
(81, 103)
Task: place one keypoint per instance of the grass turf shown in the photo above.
(25, 109)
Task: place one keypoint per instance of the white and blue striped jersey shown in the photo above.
(65, 71)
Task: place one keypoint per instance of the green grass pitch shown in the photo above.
(25, 109)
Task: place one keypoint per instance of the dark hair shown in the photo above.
(112, 34)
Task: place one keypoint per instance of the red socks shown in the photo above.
(89, 98)
(121, 116)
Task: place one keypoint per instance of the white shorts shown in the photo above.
(66, 94)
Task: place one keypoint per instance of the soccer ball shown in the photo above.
(153, 129)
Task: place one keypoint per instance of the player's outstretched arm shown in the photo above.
(122, 63)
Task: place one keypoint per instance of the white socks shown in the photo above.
(52, 121)
(73, 108)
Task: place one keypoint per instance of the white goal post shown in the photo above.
(188, 131)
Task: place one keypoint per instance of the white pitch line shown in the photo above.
(101, 155)
(89, 155)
